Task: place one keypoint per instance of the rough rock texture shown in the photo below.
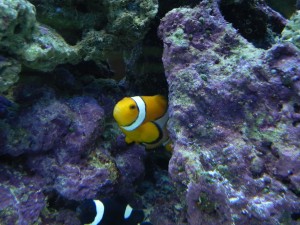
(98, 31)
(162, 204)
(254, 20)
(291, 32)
(48, 50)
(127, 23)
(21, 195)
(113, 18)
(42, 48)
(64, 131)
(9, 73)
(234, 120)
(68, 144)
(32, 44)
(130, 163)
(62, 125)
(17, 19)
(234, 111)
(56, 121)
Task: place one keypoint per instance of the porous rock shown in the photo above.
(21, 197)
(291, 32)
(232, 107)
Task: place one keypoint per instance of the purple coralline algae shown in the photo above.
(63, 144)
(72, 133)
(130, 164)
(56, 122)
(71, 124)
(22, 199)
(233, 75)
(234, 120)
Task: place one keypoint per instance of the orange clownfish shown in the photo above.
(143, 120)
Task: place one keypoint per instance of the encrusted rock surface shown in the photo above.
(31, 43)
(97, 31)
(17, 19)
(68, 145)
(56, 122)
(71, 125)
(234, 120)
(22, 199)
(9, 73)
(234, 86)
(291, 32)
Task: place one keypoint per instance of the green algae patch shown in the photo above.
(178, 38)
(205, 204)
(9, 73)
(97, 160)
(88, 31)
(291, 33)
(225, 172)
(48, 51)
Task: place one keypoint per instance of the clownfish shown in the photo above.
(143, 120)
(109, 211)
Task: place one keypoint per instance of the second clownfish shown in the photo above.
(143, 120)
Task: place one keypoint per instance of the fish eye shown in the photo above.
(132, 106)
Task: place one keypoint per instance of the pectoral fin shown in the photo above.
(128, 140)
